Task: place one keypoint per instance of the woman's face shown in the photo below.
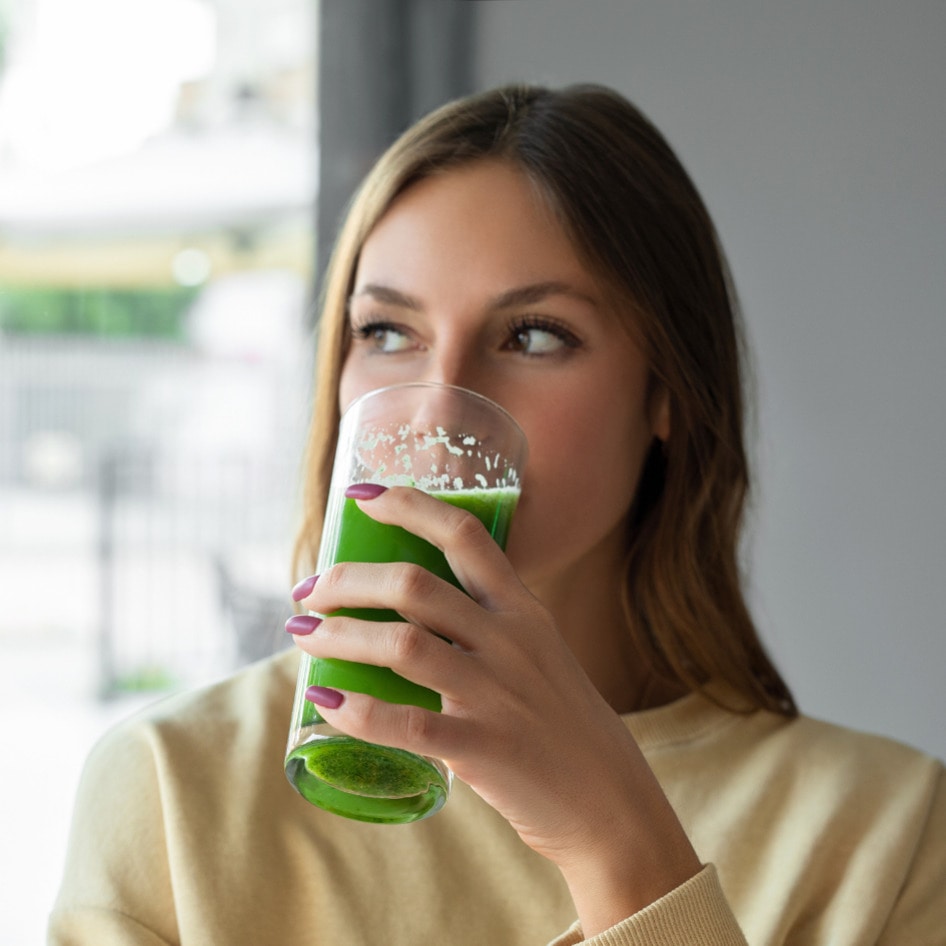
(468, 279)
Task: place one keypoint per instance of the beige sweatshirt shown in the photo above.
(186, 831)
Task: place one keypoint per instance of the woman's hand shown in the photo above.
(521, 723)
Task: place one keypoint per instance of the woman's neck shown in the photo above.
(591, 618)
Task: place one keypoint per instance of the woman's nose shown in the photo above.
(459, 372)
(452, 370)
(455, 437)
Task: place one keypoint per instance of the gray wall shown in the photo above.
(816, 131)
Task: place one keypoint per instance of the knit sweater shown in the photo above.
(186, 831)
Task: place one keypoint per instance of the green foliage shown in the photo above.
(144, 679)
(153, 313)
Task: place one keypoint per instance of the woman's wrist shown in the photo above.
(604, 896)
(629, 869)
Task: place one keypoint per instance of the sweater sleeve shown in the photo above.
(116, 888)
(919, 915)
(694, 914)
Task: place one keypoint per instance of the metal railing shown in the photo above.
(189, 537)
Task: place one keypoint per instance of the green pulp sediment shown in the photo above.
(369, 783)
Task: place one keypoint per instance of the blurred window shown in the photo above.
(157, 172)
(157, 180)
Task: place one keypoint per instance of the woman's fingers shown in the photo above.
(416, 594)
(392, 724)
(471, 552)
(411, 651)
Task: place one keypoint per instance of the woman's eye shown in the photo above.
(541, 339)
(382, 337)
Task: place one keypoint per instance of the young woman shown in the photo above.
(632, 767)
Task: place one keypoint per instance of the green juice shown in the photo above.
(343, 774)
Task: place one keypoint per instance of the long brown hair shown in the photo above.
(638, 223)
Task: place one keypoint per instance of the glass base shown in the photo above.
(367, 782)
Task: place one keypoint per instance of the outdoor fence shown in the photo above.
(189, 536)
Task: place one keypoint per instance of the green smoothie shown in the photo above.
(345, 775)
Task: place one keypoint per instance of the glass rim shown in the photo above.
(440, 386)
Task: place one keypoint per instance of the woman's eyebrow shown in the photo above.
(537, 292)
(521, 295)
(388, 296)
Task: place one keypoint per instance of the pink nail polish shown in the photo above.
(304, 588)
(302, 624)
(324, 696)
(365, 490)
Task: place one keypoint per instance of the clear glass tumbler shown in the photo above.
(462, 448)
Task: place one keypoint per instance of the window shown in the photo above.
(157, 176)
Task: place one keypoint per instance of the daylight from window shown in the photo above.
(157, 180)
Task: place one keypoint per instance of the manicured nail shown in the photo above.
(324, 696)
(304, 588)
(302, 624)
(364, 490)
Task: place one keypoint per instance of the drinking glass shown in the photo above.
(462, 448)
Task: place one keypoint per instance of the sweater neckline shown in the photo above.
(690, 717)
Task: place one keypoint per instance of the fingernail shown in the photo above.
(324, 696)
(304, 588)
(302, 624)
(364, 490)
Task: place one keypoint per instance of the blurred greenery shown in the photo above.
(150, 678)
(153, 313)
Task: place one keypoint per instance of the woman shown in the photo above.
(628, 755)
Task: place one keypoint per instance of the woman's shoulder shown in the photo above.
(854, 812)
(803, 750)
(270, 678)
(845, 744)
(832, 752)
(811, 812)
(249, 707)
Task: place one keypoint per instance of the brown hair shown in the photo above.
(639, 224)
